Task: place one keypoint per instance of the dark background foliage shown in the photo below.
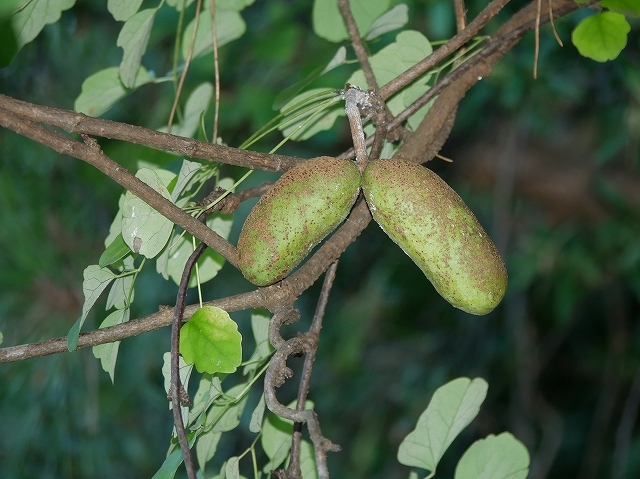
(551, 167)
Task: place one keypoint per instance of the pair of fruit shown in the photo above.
(413, 205)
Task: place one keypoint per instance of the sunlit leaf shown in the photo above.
(104, 88)
(133, 39)
(602, 36)
(451, 409)
(123, 9)
(28, 22)
(108, 353)
(96, 280)
(211, 341)
(494, 457)
(329, 24)
(395, 18)
(144, 229)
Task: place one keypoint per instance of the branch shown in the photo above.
(73, 122)
(356, 41)
(426, 141)
(90, 152)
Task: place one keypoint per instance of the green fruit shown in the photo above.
(432, 224)
(306, 204)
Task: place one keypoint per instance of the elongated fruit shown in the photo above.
(306, 204)
(432, 224)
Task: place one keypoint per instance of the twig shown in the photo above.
(177, 389)
(356, 41)
(216, 70)
(73, 122)
(456, 42)
(303, 389)
(461, 15)
(185, 70)
(355, 99)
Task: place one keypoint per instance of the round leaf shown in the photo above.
(601, 37)
(211, 341)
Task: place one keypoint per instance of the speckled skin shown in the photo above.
(432, 224)
(306, 204)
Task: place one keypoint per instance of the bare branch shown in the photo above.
(73, 122)
(356, 41)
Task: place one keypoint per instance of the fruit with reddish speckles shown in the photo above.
(432, 224)
(306, 204)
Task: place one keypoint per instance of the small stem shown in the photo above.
(354, 98)
(356, 41)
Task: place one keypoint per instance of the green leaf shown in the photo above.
(133, 39)
(184, 371)
(120, 293)
(328, 22)
(286, 95)
(230, 26)
(451, 409)
(209, 263)
(225, 414)
(627, 7)
(409, 48)
(196, 105)
(322, 122)
(123, 9)
(177, 4)
(494, 457)
(602, 36)
(169, 466)
(211, 341)
(29, 21)
(257, 416)
(104, 88)
(232, 469)
(208, 391)
(108, 353)
(276, 438)
(308, 461)
(116, 250)
(145, 230)
(260, 327)
(206, 446)
(394, 19)
(95, 281)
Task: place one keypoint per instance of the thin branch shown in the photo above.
(305, 379)
(216, 70)
(185, 70)
(456, 42)
(73, 122)
(91, 153)
(356, 41)
(461, 15)
(177, 389)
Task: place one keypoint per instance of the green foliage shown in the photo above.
(451, 409)
(601, 37)
(211, 341)
(494, 457)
